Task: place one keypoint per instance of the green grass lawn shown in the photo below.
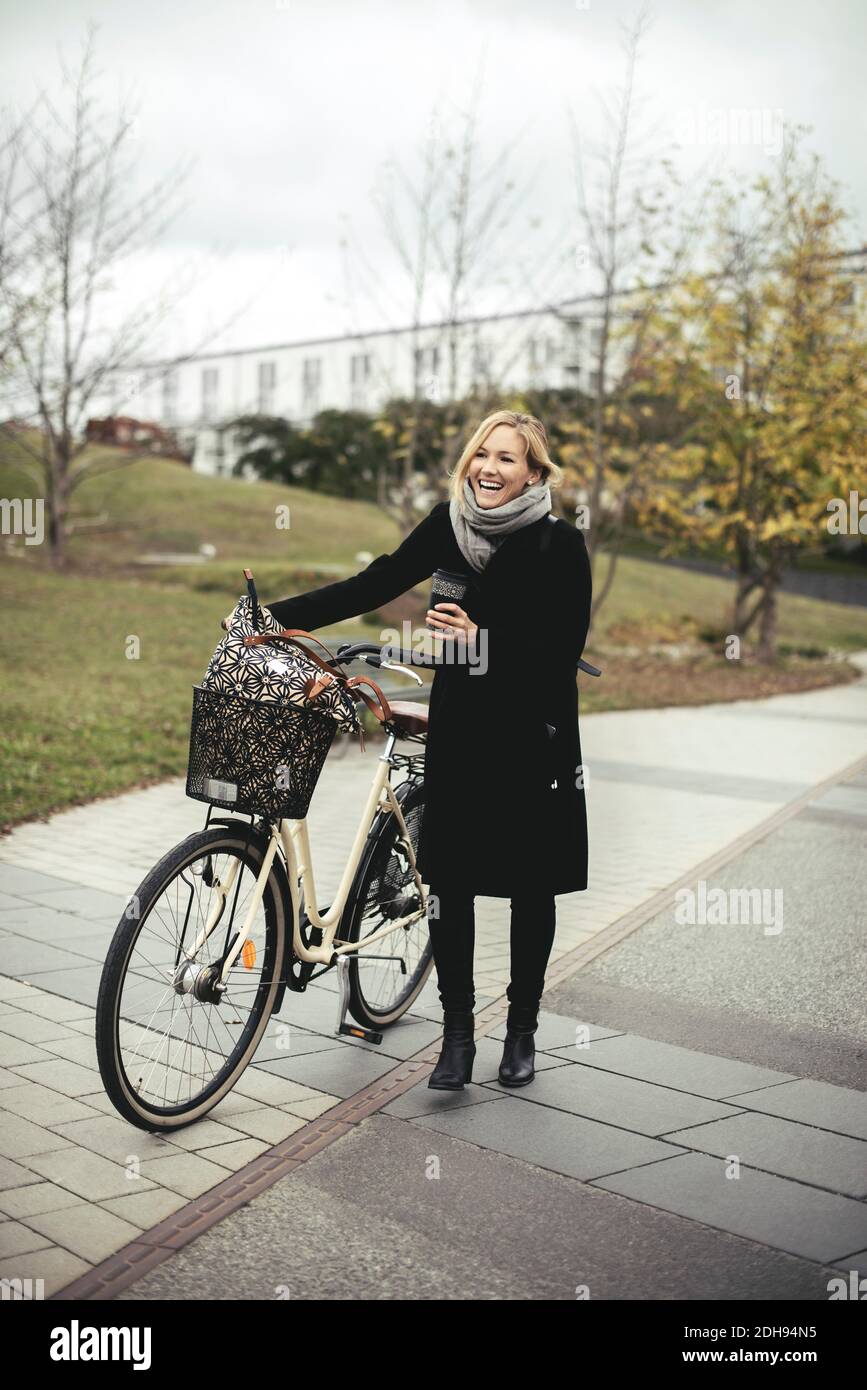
(82, 719)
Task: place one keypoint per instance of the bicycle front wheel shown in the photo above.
(170, 1042)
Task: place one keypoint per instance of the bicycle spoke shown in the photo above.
(174, 1044)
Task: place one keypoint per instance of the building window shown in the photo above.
(311, 382)
(572, 344)
(427, 361)
(170, 397)
(210, 385)
(481, 363)
(267, 381)
(359, 377)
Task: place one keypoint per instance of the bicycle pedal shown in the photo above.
(354, 1030)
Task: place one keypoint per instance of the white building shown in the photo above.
(199, 397)
(554, 347)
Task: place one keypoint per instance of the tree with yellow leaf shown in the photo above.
(763, 356)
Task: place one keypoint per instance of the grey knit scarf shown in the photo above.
(479, 531)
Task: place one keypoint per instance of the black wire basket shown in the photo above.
(259, 757)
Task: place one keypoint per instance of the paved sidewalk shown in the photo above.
(667, 789)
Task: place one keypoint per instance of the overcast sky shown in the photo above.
(290, 108)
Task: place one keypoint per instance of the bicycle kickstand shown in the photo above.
(352, 1030)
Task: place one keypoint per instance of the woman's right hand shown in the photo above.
(225, 623)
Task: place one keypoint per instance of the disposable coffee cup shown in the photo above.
(447, 587)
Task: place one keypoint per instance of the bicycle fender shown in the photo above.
(262, 842)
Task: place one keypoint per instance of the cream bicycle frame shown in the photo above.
(294, 837)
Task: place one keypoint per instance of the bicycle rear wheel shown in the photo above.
(170, 1045)
(386, 979)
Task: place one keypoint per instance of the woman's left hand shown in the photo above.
(451, 622)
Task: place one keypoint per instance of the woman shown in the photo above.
(504, 801)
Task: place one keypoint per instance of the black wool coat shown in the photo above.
(504, 799)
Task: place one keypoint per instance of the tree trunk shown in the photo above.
(744, 586)
(57, 501)
(768, 630)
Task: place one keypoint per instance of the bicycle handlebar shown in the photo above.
(372, 651)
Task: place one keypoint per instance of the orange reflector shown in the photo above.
(248, 954)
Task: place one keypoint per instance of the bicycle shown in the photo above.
(179, 1020)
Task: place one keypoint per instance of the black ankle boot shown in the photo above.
(455, 1066)
(519, 1049)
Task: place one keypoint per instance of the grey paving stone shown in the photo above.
(25, 960)
(858, 1262)
(83, 902)
(13, 991)
(15, 1175)
(81, 1049)
(55, 1267)
(115, 1139)
(69, 1078)
(19, 1137)
(267, 1123)
(717, 1078)
(403, 1039)
(340, 1073)
(8, 903)
(185, 1173)
(812, 1103)
(315, 1009)
(14, 879)
(87, 1230)
(94, 946)
(489, 1054)
(563, 1143)
(44, 924)
(300, 1043)
(787, 1215)
(16, 1052)
(88, 1174)
(790, 1150)
(78, 985)
(43, 1106)
(423, 1101)
(145, 1209)
(259, 1086)
(237, 1154)
(638, 1106)
(18, 1023)
(36, 1001)
(557, 1031)
(736, 785)
(477, 1227)
(35, 1197)
(17, 1239)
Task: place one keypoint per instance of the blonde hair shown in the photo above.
(532, 432)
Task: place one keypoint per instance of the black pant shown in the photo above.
(451, 922)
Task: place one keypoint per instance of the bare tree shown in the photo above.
(637, 238)
(444, 230)
(70, 221)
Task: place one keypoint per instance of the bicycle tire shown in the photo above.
(275, 904)
(375, 869)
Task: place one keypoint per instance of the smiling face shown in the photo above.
(502, 461)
